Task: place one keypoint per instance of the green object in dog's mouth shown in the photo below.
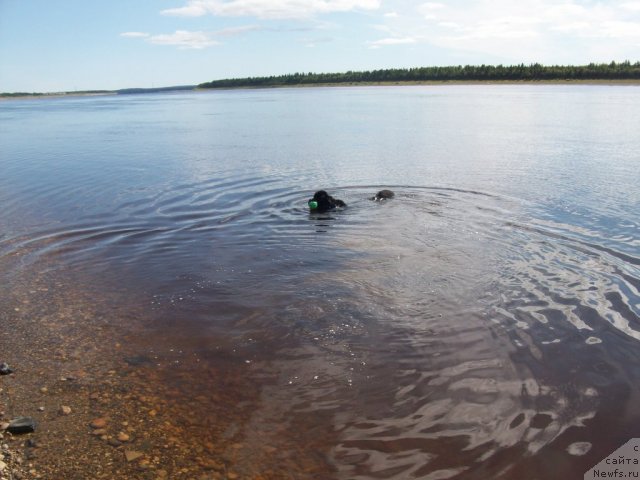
(313, 204)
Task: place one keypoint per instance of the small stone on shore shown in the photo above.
(132, 455)
(123, 437)
(21, 425)
(210, 464)
(5, 369)
(31, 443)
(98, 423)
(65, 410)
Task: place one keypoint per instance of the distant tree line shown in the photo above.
(533, 72)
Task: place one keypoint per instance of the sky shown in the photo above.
(66, 45)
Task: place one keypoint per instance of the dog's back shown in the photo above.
(383, 195)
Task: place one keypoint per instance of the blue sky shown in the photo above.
(56, 45)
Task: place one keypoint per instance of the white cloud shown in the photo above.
(192, 40)
(633, 6)
(621, 29)
(269, 9)
(312, 43)
(430, 6)
(185, 39)
(392, 41)
(134, 34)
(233, 31)
(549, 31)
(192, 9)
(392, 15)
(382, 28)
(452, 25)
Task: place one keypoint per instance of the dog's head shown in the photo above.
(321, 202)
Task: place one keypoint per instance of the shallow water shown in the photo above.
(482, 324)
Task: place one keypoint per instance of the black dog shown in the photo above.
(383, 195)
(322, 202)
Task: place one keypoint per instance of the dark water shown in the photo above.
(485, 323)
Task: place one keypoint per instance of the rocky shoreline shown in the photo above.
(114, 397)
(16, 451)
(105, 424)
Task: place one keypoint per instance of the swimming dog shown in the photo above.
(322, 202)
(383, 195)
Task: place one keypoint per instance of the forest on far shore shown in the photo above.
(534, 72)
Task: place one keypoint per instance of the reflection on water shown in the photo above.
(482, 324)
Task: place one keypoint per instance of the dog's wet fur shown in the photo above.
(383, 195)
(326, 202)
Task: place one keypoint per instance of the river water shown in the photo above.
(484, 323)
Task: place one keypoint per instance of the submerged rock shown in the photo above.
(31, 443)
(22, 425)
(5, 369)
(132, 455)
(138, 360)
(64, 410)
(98, 423)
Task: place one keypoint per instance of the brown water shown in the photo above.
(482, 324)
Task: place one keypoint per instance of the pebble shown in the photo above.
(41, 409)
(98, 423)
(99, 431)
(232, 476)
(123, 437)
(21, 425)
(132, 455)
(5, 369)
(579, 448)
(209, 464)
(2, 466)
(113, 442)
(65, 410)
(31, 443)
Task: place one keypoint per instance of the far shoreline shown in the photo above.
(607, 82)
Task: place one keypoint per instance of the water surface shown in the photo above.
(482, 324)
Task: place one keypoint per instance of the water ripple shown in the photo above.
(425, 325)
